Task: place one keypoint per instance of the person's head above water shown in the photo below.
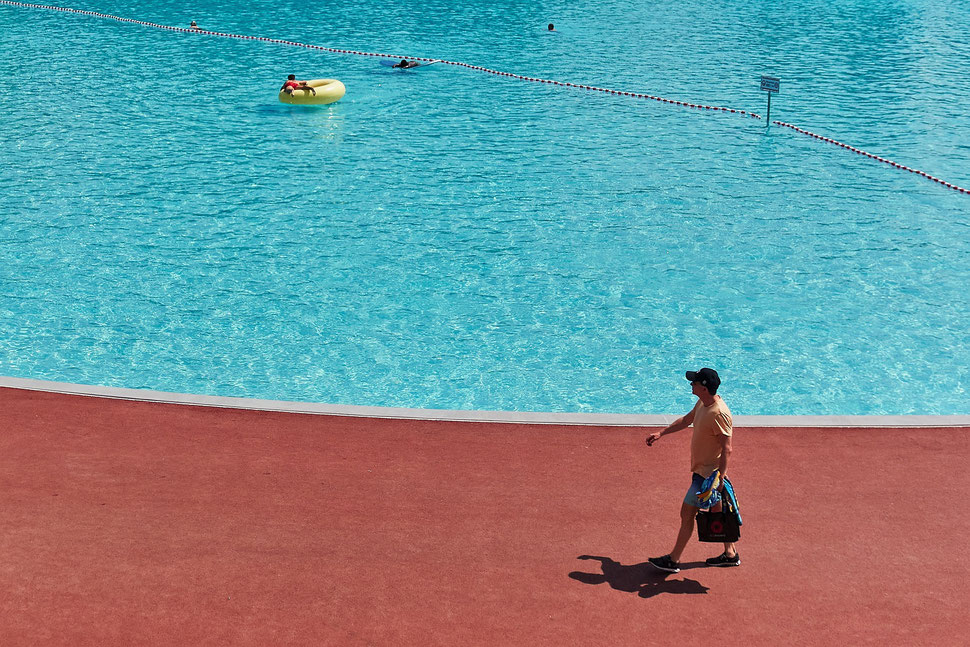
(552, 27)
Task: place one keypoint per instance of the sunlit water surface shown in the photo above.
(444, 238)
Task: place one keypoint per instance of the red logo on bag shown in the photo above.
(717, 527)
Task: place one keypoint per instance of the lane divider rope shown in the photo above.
(859, 151)
(635, 95)
(291, 43)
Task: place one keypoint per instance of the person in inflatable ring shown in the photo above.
(292, 84)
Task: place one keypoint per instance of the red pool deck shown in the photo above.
(135, 523)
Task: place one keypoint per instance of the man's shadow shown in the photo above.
(642, 579)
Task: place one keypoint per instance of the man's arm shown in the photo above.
(683, 422)
(725, 455)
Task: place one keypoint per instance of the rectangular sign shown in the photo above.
(770, 84)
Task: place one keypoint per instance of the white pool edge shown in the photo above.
(514, 417)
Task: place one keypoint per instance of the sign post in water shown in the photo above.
(770, 84)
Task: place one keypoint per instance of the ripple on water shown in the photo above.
(446, 238)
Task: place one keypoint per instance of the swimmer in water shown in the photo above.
(552, 27)
(194, 25)
(292, 84)
(405, 64)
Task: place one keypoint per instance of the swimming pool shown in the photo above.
(443, 238)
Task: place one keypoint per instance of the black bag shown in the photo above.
(718, 526)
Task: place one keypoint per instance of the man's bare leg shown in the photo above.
(687, 514)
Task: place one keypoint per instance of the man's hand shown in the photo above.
(652, 438)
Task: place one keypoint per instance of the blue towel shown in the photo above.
(732, 499)
(713, 496)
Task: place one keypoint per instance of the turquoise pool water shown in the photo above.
(444, 238)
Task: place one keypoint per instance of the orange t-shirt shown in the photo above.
(710, 423)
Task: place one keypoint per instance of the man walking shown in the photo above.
(710, 449)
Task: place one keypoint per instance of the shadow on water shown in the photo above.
(642, 579)
(269, 108)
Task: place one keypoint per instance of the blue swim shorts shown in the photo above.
(696, 484)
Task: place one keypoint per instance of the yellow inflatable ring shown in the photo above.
(327, 91)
